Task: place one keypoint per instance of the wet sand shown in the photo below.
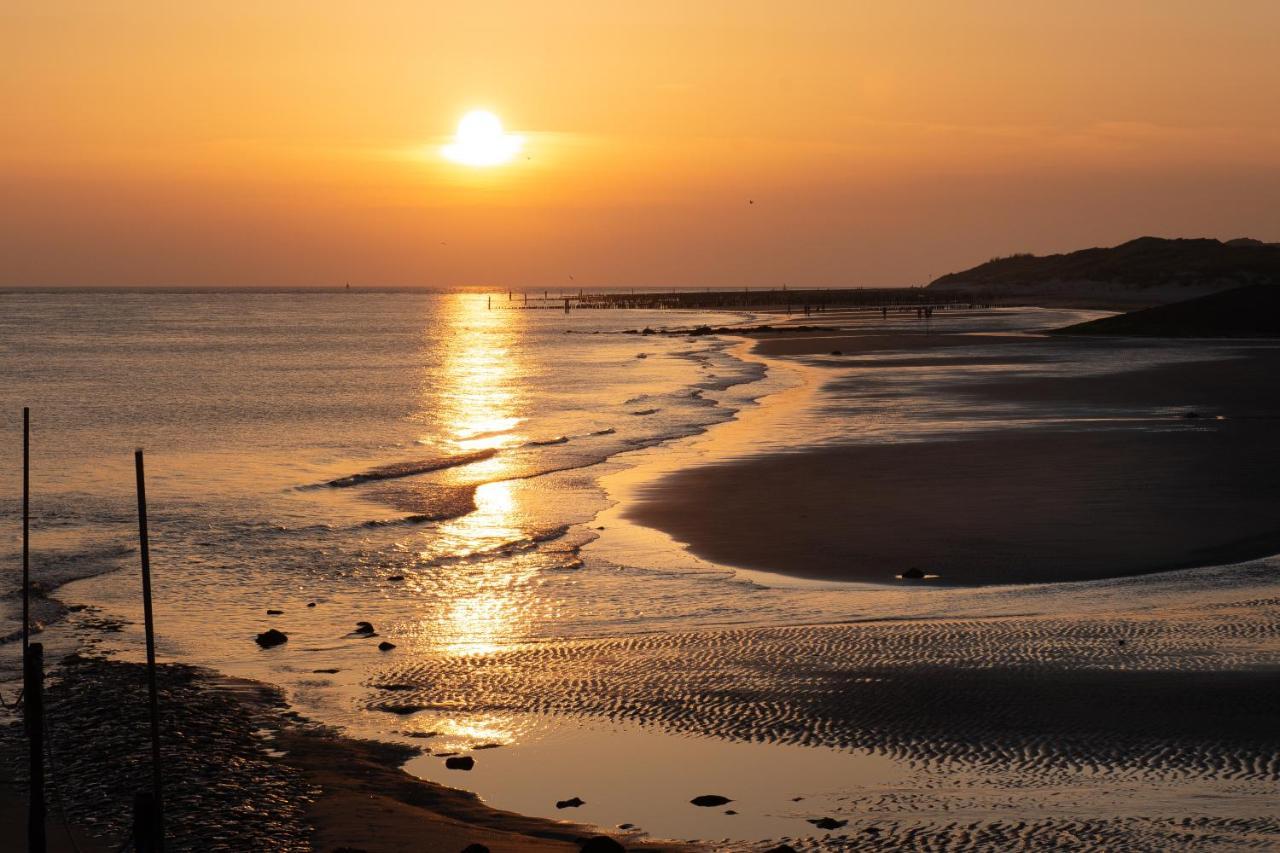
(1035, 505)
(242, 772)
(1085, 730)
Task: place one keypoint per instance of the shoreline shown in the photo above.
(371, 796)
(234, 748)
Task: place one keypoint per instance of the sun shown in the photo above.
(482, 141)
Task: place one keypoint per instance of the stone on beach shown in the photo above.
(271, 637)
(602, 844)
(571, 803)
(385, 646)
(475, 848)
(827, 822)
(275, 612)
(710, 800)
(782, 848)
(363, 628)
(912, 574)
(460, 762)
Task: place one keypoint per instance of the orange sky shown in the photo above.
(259, 143)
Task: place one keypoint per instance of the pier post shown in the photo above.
(26, 529)
(144, 547)
(33, 707)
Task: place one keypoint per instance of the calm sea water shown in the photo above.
(248, 404)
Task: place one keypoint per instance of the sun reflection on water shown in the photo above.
(478, 392)
(483, 596)
(485, 604)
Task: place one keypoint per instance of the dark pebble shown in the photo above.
(709, 800)
(271, 637)
(571, 803)
(460, 762)
(385, 646)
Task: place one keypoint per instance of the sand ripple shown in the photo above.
(1167, 695)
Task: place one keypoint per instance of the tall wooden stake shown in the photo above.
(144, 543)
(33, 710)
(26, 529)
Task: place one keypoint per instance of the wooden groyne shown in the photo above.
(825, 299)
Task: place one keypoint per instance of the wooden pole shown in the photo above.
(33, 708)
(145, 548)
(26, 529)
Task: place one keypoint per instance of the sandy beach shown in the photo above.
(1076, 499)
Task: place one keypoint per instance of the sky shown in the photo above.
(692, 143)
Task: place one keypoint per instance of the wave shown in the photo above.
(416, 518)
(509, 548)
(409, 468)
(547, 442)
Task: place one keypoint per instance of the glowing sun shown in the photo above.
(482, 141)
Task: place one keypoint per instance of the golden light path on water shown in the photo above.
(483, 395)
(480, 400)
(478, 390)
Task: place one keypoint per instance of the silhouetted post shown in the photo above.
(33, 706)
(144, 543)
(144, 823)
(26, 529)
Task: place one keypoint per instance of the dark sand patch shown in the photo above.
(1001, 508)
(1241, 386)
(1012, 506)
(822, 343)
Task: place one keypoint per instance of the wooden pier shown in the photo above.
(784, 299)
